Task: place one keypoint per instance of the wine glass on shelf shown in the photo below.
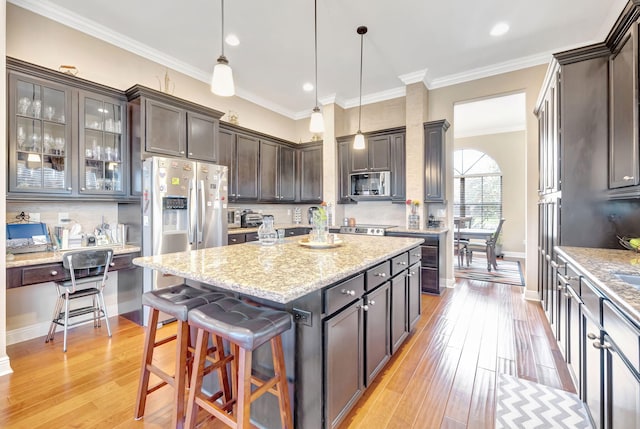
(21, 137)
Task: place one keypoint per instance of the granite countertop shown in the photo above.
(599, 266)
(276, 226)
(426, 231)
(282, 272)
(37, 258)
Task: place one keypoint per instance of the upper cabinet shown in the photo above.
(384, 151)
(167, 125)
(623, 112)
(240, 153)
(277, 172)
(310, 173)
(435, 161)
(66, 136)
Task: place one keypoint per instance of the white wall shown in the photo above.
(508, 150)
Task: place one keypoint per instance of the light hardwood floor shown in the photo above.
(442, 377)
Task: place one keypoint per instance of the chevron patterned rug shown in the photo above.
(509, 272)
(527, 405)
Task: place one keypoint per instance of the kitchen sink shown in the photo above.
(632, 279)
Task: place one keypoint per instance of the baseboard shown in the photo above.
(531, 295)
(451, 283)
(519, 255)
(5, 367)
(41, 329)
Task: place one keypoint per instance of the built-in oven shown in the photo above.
(370, 185)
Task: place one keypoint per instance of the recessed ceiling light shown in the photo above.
(308, 87)
(232, 40)
(499, 29)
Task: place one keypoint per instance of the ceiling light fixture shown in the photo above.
(316, 125)
(358, 141)
(499, 29)
(222, 80)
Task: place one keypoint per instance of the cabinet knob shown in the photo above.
(592, 336)
(348, 292)
(372, 302)
(365, 307)
(409, 274)
(181, 152)
(190, 153)
(82, 189)
(381, 274)
(54, 273)
(69, 188)
(628, 178)
(112, 264)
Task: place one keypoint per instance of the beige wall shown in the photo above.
(508, 150)
(529, 81)
(38, 40)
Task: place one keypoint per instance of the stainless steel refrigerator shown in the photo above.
(184, 207)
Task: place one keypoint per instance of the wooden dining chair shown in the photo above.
(488, 247)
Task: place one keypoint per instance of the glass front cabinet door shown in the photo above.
(101, 148)
(39, 136)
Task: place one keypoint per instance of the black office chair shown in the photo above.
(86, 267)
(489, 247)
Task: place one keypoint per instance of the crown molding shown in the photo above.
(492, 70)
(376, 97)
(414, 77)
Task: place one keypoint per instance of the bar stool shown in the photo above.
(177, 301)
(246, 327)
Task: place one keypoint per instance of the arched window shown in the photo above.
(477, 182)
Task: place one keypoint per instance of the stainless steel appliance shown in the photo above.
(251, 220)
(183, 208)
(365, 229)
(372, 184)
(233, 217)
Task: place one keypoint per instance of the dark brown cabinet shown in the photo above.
(66, 136)
(167, 125)
(240, 153)
(398, 168)
(435, 161)
(399, 329)
(377, 331)
(344, 360)
(414, 307)
(384, 151)
(277, 172)
(310, 174)
(592, 374)
(374, 157)
(623, 112)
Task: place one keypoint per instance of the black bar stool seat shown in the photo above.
(246, 327)
(176, 301)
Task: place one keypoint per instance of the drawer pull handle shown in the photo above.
(381, 275)
(628, 178)
(592, 336)
(598, 345)
(409, 274)
(417, 255)
(402, 263)
(573, 278)
(54, 273)
(348, 292)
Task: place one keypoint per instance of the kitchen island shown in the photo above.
(353, 306)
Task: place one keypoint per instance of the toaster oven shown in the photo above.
(234, 218)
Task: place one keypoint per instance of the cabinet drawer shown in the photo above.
(429, 256)
(43, 273)
(252, 236)
(622, 332)
(592, 300)
(236, 239)
(343, 293)
(415, 255)
(292, 232)
(122, 262)
(399, 263)
(378, 275)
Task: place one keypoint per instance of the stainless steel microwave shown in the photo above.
(371, 184)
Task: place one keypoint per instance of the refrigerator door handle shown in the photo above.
(203, 209)
(192, 212)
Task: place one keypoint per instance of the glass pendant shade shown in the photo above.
(358, 142)
(222, 80)
(316, 125)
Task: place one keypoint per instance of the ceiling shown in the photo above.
(434, 41)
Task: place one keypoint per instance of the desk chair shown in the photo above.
(86, 267)
(489, 247)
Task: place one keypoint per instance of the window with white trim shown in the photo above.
(477, 182)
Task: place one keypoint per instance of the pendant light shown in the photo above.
(222, 80)
(316, 125)
(358, 142)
